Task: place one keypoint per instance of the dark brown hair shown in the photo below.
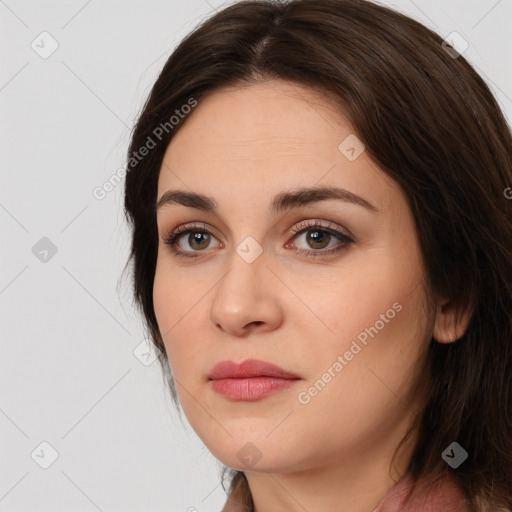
(432, 124)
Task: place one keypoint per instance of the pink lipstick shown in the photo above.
(249, 380)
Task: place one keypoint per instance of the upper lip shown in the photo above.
(247, 369)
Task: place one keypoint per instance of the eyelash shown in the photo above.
(172, 239)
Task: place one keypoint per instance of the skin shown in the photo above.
(242, 146)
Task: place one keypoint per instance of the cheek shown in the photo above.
(164, 300)
(379, 304)
(348, 303)
(174, 309)
(380, 355)
(181, 304)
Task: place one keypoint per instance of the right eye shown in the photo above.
(198, 239)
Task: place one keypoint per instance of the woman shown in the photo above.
(322, 255)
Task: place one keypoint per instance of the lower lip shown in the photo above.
(253, 388)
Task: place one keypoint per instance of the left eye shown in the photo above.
(318, 237)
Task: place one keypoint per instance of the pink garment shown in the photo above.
(445, 495)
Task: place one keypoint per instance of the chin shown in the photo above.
(255, 453)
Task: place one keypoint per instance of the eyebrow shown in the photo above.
(281, 202)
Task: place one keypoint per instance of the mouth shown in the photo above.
(250, 380)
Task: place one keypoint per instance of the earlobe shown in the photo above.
(450, 324)
(450, 339)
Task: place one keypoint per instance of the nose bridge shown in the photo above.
(244, 282)
(244, 294)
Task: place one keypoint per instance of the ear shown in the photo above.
(450, 324)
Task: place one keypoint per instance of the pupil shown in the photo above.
(196, 238)
(318, 237)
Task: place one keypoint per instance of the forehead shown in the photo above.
(272, 114)
(266, 137)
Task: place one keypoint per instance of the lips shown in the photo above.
(247, 369)
(250, 380)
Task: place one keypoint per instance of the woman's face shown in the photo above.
(347, 316)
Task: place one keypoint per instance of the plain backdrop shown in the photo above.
(85, 422)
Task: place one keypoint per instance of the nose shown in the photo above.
(246, 300)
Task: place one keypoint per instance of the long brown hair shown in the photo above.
(432, 124)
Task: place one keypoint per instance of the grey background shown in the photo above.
(73, 372)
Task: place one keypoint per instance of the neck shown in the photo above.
(358, 480)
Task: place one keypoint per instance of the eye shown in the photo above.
(198, 239)
(317, 236)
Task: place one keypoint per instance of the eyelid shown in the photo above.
(190, 226)
(299, 226)
(322, 224)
